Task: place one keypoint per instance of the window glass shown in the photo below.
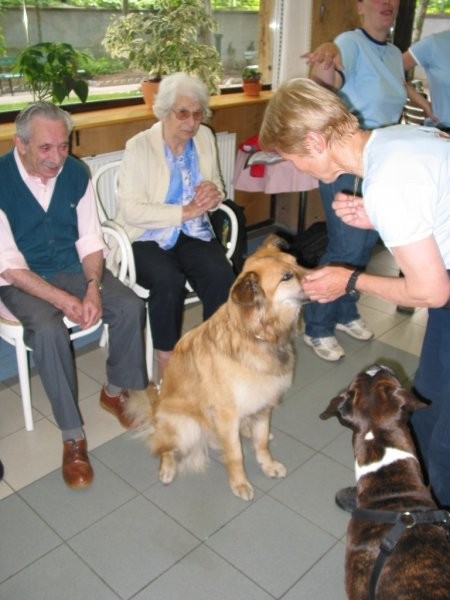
(82, 24)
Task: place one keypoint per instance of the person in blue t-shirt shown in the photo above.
(406, 198)
(369, 78)
(432, 53)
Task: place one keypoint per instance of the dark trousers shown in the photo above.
(46, 334)
(164, 273)
(431, 425)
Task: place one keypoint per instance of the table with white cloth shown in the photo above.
(280, 177)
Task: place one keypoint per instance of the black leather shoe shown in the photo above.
(1, 470)
(346, 499)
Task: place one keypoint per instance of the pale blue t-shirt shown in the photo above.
(406, 186)
(433, 55)
(374, 81)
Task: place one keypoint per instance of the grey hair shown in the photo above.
(180, 84)
(47, 110)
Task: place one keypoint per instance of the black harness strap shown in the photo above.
(401, 521)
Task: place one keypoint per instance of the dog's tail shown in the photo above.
(140, 409)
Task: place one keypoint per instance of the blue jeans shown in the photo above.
(431, 425)
(346, 245)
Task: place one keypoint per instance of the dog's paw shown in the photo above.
(166, 476)
(274, 469)
(243, 490)
(167, 469)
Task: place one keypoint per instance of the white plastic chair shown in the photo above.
(11, 330)
(104, 181)
(412, 114)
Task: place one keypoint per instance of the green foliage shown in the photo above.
(166, 40)
(438, 7)
(235, 4)
(99, 66)
(251, 74)
(51, 70)
(133, 4)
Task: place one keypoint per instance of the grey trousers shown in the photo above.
(46, 334)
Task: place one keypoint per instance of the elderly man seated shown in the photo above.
(52, 266)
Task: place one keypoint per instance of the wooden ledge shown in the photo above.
(126, 114)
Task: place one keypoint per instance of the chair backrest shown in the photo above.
(124, 259)
(412, 114)
(104, 181)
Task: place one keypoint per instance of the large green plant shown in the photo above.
(167, 39)
(51, 70)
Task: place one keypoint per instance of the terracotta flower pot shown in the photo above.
(251, 88)
(149, 88)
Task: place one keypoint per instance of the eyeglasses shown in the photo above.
(182, 114)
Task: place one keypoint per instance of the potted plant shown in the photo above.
(251, 81)
(167, 39)
(52, 70)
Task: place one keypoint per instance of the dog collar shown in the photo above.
(390, 455)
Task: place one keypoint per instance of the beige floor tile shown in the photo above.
(29, 455)
(5, 490)
(12, 413)
(406, 336)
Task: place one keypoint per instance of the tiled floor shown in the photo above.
(128, 536)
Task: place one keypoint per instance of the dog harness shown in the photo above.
(401, 521)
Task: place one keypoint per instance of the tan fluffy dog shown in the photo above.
(228, 373)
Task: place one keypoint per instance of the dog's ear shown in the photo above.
(247, 291)
(340, 407)
(276, 242)
(409, 402)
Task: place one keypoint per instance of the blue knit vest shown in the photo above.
(46, 239)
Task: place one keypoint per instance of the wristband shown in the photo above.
(350, 287)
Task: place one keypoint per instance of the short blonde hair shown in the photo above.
(298, 107)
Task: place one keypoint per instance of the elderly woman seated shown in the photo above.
(168, 181)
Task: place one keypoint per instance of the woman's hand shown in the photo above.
(327, 55)
(207, 196)
(350, 209)
(326, 283)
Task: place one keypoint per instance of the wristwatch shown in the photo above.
(97, 283)
(351, 283)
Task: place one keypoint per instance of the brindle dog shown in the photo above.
(414, 560)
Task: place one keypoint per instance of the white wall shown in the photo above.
(292, 38)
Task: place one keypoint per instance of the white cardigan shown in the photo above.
(144, 180)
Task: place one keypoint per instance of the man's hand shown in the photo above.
(91, 306)
(350, 209)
